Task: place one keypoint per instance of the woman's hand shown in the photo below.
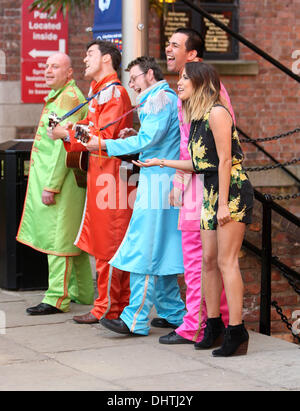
(223, 215)
(151, 162)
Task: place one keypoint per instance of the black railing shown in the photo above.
(265, 253)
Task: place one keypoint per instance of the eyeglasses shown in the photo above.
(133, 78)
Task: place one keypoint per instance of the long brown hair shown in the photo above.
(206, 84)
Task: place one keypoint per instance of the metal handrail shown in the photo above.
(278, 208)
(265, 253)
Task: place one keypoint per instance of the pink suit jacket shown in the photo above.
(191, 185)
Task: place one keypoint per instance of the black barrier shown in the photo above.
(21, 267)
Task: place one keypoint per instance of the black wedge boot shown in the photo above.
(235, 342)
(213, 334)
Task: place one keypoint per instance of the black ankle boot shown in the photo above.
(235, 342)
(213, 334)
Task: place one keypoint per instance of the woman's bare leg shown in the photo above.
(229, 240)
(212, 280)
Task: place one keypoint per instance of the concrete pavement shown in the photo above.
(54, 353)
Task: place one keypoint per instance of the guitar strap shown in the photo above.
(125, 114)
(75, 109)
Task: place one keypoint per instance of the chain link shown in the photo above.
(287, 197)
(284, 319)
(292, 281)
(272, 167)
(277, 137)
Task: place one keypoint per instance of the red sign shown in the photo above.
(41, 36)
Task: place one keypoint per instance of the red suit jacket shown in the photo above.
(106, 213)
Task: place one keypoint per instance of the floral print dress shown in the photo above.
(205, 159)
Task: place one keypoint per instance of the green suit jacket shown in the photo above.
(53, 229)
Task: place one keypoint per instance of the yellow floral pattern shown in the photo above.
(234, 208)
(205, 160)
(208, 214)
(199, 153)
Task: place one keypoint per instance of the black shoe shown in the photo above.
(213, 334)
(174, 338)
(235, 342)
(162, 323)
(43, 309)
(117, 325)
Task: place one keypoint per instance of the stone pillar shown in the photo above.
(14, 114)
(134, 35)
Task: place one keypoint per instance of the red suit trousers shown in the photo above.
(113, 291)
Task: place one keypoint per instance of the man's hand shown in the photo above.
(127, 132)
(175, 197)
(59, 132)
(48, 198)
(93, 144)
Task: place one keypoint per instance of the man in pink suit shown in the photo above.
(187, 45)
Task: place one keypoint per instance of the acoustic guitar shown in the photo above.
(82, 135)
(78, 161)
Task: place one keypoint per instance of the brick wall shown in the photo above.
(10, 37)
(78, 39)
(269, 104)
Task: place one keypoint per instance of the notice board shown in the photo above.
(41, 36)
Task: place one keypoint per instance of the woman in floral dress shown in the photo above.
(227, 204)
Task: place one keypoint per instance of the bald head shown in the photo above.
(58, 70)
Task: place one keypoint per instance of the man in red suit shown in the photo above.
(107, 212)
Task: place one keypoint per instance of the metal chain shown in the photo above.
(272, 167)
(260, 140)
(284, 319)
(287, 197)
(292, 281)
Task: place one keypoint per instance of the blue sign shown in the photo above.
(108, 21)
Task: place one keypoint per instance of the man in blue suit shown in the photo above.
(151, 250)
